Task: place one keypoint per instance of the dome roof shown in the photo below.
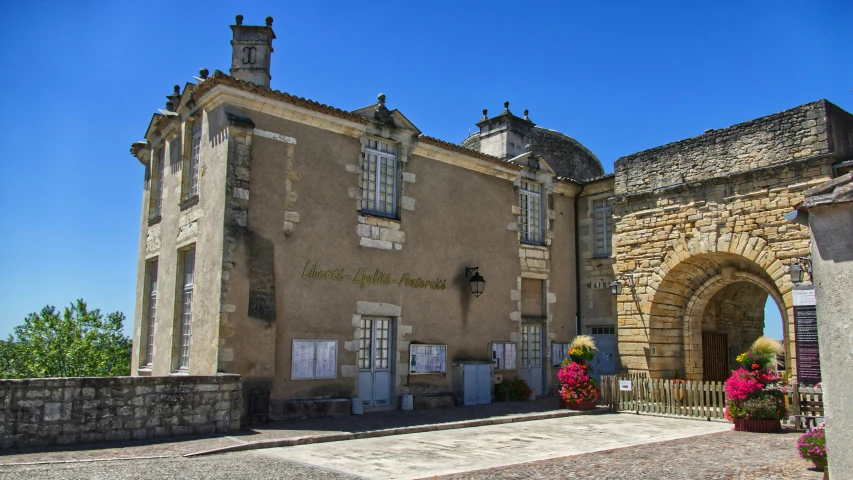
(563, 153)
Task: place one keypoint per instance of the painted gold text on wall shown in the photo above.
(364, 277)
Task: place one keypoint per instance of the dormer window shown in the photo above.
(379, 179)
(531, 212)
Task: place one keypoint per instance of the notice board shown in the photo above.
(427, 358)
(805, 327)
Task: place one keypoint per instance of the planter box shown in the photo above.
(587, 405)
(758, 426)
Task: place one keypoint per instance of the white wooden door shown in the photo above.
(531, 357)
(374, 375)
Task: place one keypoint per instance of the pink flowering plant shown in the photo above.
(752, 392)
(577, 386)
(812, 444)
(575, 383)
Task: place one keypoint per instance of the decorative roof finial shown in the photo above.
(485, 114)
(506, 106)
(177, 89)
(203, 73)
(381, 98)
(239, 19)
(525, 115)
(269, 21)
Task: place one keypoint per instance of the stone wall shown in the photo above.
(694, 217)
(66, 411)
(797, 133)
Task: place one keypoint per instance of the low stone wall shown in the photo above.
(66, 411)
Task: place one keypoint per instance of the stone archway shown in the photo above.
(661, 320)
(696, 315)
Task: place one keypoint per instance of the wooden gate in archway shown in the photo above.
(715, 357)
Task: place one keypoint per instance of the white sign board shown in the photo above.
(313, 359)
(427, 358)
(624, 385)
(804, 297)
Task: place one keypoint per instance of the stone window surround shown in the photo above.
(548, 182)
(516, 316)
(375, 230)
(177, 317)
(187, 200)
(157, 177)
(524, 227)
(146, 336)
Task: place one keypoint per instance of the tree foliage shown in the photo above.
(77, 343)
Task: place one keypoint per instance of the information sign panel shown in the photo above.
(805, 326)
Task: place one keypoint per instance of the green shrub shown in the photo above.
(512, 390)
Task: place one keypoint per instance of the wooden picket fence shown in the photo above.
(689, 398)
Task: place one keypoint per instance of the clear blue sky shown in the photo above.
(81, 80)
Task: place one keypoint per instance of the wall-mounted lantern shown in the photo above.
(477, 282)
(799, 267)
(616, 285)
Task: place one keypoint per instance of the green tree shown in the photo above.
(77, 343)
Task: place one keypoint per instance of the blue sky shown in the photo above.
(81, 80)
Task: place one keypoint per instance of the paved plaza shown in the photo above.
(609, 446)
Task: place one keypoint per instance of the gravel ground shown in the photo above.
(726, 455)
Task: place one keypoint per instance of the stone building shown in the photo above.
(325, 254)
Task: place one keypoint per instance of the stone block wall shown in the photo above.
(67, 411)
(794, 134)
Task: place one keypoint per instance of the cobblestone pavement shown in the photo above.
(725, 455)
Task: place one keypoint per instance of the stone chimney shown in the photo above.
(251, 51)
(505, 135)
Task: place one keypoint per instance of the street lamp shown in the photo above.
(799, 267)
(477, 282)
(616, 285)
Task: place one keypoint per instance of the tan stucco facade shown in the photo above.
(288, 247)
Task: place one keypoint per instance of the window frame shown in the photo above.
(607, 210)
(150, 312)
(365, 170)
(193, 165)
(526, 201)
(161, 179)
(186, 288)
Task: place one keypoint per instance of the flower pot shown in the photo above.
(585, 405)
(819, 464)
(757, 426)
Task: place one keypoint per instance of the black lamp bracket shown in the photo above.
(471, 270)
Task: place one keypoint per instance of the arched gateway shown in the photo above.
(699, 227)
